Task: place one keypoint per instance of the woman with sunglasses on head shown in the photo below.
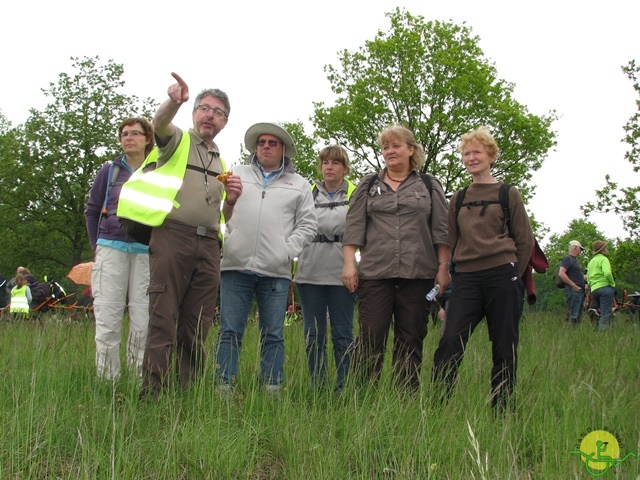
(120, 275)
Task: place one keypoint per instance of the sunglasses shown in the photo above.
(272, 143)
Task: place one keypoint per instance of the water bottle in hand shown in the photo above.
(433, 293)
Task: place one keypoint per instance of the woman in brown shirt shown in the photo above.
(489, 261)
(400, 227)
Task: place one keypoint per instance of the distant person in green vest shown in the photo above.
(602, 284)
(120, 273)
(318, 275)
(20, 298)
(185, 250)
(572, 275)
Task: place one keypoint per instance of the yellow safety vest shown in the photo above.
(148, 197)
(19, 302)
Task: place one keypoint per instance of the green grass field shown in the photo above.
(59, 421)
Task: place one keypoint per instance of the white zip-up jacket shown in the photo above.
(270, 226)
(321, 262)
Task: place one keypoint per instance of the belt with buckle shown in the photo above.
(200, 231)
(330, 239)
(204, 232)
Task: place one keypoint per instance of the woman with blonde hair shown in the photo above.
(398, 220)
(490, 254)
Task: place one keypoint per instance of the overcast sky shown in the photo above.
(270, 57)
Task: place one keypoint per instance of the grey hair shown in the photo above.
(214, 92)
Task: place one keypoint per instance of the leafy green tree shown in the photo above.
(624, 202)
(306, 159)
(625, 264)
(584, 231)
(45, 180)
(433, 78)
(9, 147)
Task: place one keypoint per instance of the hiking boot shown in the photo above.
(225, 390)
(272, 390)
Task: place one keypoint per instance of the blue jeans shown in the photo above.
(575, 302)
(236, 296)
(316, 299)
(604, 297)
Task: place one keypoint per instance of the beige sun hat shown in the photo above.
(251, 137)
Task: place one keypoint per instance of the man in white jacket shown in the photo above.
(273, 221)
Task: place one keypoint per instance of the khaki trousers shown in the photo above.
(185, 275)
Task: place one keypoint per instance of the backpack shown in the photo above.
(139, 232)
(114, 170)
(557, 281)
(503, 200)
(350, 189)
(314, 191)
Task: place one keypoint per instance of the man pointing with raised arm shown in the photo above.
(184, 252)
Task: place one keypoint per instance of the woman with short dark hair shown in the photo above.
(120, 275)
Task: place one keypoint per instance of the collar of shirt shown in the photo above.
(125, 164)
(268, 176)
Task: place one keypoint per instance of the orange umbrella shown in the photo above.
(81, 273)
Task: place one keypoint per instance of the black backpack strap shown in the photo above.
(504, 203)
(503, 200)
(332, 204)
(426, 178)
(459, 203)
(314, 192)
(372, 180)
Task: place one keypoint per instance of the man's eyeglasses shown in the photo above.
(133, 134)
(272, 143)
(218, 112)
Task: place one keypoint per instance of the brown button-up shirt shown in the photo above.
(397, 231)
